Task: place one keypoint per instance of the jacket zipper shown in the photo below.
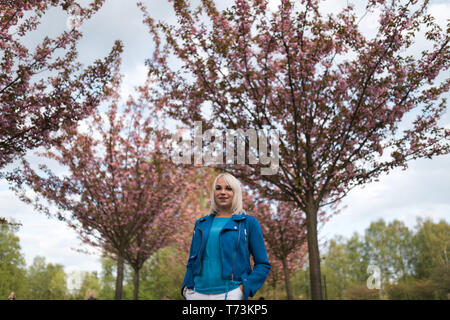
(237, 246)
(201, 246)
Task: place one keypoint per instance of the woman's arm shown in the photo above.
(262, 267)
(188, 277)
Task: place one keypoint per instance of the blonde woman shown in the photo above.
(219, 267)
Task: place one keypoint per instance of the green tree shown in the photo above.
(336, 268)
(432, 241)
(162, 276)
(414, 265)
(46, 281)
(89, 281)
(345, 267)
(391, 248)
(57, 283)
(357, 259)
(107, 278)
(12, 263)
(300, 284)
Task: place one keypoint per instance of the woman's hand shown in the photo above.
(242, 288)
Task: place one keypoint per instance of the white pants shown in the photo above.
(235, 294)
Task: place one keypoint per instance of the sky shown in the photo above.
(420, 191)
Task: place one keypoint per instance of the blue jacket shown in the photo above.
(240, 237)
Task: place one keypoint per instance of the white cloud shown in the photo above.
(440, 11)
(132, 79)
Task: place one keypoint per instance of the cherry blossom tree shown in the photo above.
(195, 205)
(348, 107)
(166, 206)
(284, 232)
(45, 88)
(121, 193)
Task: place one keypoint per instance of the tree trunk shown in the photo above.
(119, 278)
(287, 280)
(136, 284)
(313, 249)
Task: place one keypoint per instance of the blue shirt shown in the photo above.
(210, 281)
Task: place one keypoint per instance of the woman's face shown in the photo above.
(223, 194)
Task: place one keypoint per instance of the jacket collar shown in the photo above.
(235, 217)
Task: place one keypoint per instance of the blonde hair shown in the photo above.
(236, 204)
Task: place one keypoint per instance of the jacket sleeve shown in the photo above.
(188, 277)
(262, 266)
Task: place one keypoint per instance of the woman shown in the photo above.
(218, 267)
